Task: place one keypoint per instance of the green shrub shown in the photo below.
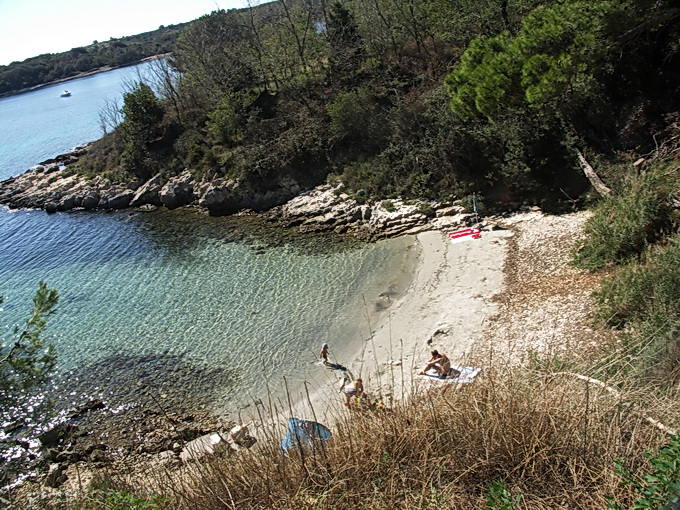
(426, 209)
(624, 224)
(388, 205)
(226, 123)
(499, 497)
(645, 299)
(660, 488)
(649, 290)
(472, 203)
(359, 118)
(123, 500)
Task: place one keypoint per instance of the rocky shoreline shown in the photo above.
(55, 186)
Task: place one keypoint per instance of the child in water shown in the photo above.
(324, 353)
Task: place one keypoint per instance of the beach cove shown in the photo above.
(463, 300)
(426, 293)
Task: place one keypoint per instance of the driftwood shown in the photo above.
(594, 179)
(617, 394)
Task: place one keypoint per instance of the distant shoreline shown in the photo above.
(83, 74)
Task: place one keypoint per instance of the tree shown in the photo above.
(225, 124)
(25, 360)
(143, 113)
(345, 42)
(25, 364)
(213, 53)
(553, 61)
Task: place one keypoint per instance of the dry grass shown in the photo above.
(552, 439)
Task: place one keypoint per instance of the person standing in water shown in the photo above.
(324, 353)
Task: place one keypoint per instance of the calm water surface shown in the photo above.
(174, 299)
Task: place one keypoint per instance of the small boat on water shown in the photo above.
(66, 93)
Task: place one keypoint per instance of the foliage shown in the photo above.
(452, 20)
(643, 298)
(212, 53)
(625, 223)
(355, 89)
(143, 112)
(227, 122)
(646, 291)
(472, 203)
(26, 360)
(388, 205)
(426, 209)
(25, 364)
(358, 119)
(123, 500)
(660, 487)
(345, 43)
(553, 60)
(482, 81)
(498, 497)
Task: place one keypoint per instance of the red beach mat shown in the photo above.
(464, 235)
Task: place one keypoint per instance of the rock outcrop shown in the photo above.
(328, 208)
(55, 186)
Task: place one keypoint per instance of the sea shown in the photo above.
(175, 303)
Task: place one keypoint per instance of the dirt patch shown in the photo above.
(545, 304)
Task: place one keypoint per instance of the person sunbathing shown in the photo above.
(440, 362)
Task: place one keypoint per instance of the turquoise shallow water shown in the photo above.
(166, 287)
(177, 301)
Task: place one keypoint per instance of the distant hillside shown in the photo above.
(51, 67)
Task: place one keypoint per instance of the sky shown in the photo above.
(29, 28)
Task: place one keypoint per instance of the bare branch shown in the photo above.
(594, 179)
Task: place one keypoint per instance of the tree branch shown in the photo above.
(617, 394)
(634, 32)
(597, 183)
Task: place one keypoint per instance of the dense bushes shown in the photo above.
(644, 299)
(143, 113)
(635, 234)
(640, 213)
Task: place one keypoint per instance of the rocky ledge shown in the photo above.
(55, 186)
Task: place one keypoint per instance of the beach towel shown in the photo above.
(465, 235)
(457, 374)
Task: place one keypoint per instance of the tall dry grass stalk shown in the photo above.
(552, 439)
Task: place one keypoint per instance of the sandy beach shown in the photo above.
(445, 308)
(507, 294)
